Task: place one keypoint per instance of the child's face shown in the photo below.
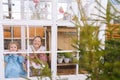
(13, 47)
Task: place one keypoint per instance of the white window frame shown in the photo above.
(54, 24)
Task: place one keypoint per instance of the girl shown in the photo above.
(36, 47)
(14, 63)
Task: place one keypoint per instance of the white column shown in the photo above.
(23, 45)
(1, 10)
(23, 41)
(54, 50)
(2, 44)
(101, 35)
(1, 53)
(54, 40)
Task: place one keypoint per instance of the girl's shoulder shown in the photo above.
(42, 48)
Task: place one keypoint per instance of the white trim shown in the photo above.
(54, 40)
(63, 77)
(65, 23)
(1, 46)
(1, 10)
(72, 77)
(1, 53)
(27, 22)
(53, 23)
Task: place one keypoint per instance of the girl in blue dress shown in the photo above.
(14, 63)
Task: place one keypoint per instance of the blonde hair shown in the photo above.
(16, 43)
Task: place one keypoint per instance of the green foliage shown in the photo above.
(44, 71)
(60, 55)
(101, 64)
(68, 55)
(111, 66)
(75, 60)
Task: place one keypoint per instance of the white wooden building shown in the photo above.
(21, 20)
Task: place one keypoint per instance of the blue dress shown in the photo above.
(14, 66)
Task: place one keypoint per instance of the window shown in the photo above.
(21, 20)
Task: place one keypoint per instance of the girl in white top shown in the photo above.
(36, 45)
(34, 50)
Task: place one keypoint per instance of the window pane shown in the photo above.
(27, 9)
(65, 37)
(12, 33)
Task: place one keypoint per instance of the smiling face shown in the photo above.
(37, 43)
(13, 48)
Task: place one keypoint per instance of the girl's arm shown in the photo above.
(6, 58)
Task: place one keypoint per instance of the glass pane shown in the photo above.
(65, 37)
(40, 10)
(90, 9)
(27, 9)
(66, 9)
(5, 9)
(12, 9)
(66, 58)
(12, 33)
(39, 65)
(15, 65)
(67, 63)
(39, 62)
(33, 31)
